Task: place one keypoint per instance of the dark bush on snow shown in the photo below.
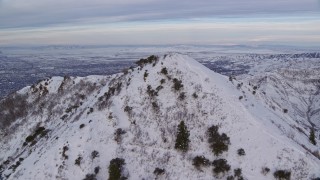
(145, 75)
(241, 152)
(230, 178)
(282, 174)
(155, 105)
(97, 169)
(195, 95)
(118, 135)
(78, 161)
(151, 59)
(238, 172)
(177, 84)
(94, 154)
(14, 166)
(182, 96)
(30, 138)
(164, 71)
(113, 90)
(218, 142)
(312, 137)
(40, 131)
(151, 92)
(158, 171)
(90, 177)
(200, 161)
(127, 109)
(159, 88)
(64, 150)
(265, 170)
(162, 81)
(69, 109)
(220, 166)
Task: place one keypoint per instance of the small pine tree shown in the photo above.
(182, 141)
(312, 137)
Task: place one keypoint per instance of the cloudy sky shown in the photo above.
(129, 22)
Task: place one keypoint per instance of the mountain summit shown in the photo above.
(168, 118)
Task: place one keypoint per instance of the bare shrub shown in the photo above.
(182, 96)
(118, 135)
(265, 170)
(113, 90)
(13, 107)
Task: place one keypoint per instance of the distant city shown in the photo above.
(20, 67)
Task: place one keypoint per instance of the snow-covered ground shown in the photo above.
(82, 114)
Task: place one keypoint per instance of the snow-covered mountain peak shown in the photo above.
(75, 127)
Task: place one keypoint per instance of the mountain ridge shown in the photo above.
(84, 115)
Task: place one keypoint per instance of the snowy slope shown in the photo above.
(282, 82)
(82, 114)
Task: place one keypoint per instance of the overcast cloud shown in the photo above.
(18, 16)
(30, 13)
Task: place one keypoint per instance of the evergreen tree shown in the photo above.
(312, 137)
(182, 141)
(218, 142)
(115, 169)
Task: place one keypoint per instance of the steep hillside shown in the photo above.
(298, 90)
(75, 127)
